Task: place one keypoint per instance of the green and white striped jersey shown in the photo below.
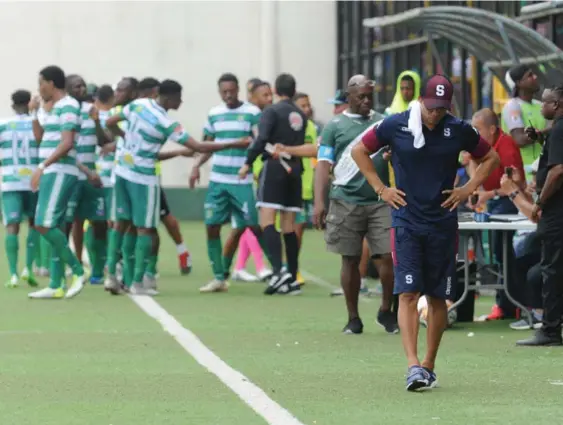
(150, 127)
(229, 125)
(104, 163)
(119, 142)
(65, 116)
(20, 153)
(87, 140)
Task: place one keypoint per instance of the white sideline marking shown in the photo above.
(324, 284)
(253, 396)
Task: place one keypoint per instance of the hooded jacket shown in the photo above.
(400, 105)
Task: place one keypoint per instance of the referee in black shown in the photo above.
(279, 184)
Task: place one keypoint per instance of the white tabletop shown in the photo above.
(511, 222)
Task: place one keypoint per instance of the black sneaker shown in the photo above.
(290, 288)
(388, 320)
(276, 282)
(354, 326)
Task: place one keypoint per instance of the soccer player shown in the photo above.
(425, 142)
(279, 187)
(136, 190)
(56, 176)
(19, 156)
(148, 88)
(88, 199)
(227, 194)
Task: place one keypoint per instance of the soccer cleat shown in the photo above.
(417, 379)
(76, 287)
(96, 280)
(290, 288)
(243, 276)
(276, 282)
(139, 289)
(265, 274)
(353, 327)
(388, 320)
(13, 282)
(112, 285)
(185, 261)
(431, 376)
(47, 293)
(300, 279)
(149, 282)
(28, 277)
(215, 285)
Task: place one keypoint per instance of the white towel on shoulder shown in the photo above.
(415, 125)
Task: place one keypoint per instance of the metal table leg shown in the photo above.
(505, 277)
(465, 275)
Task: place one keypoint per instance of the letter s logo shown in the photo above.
(440, 90)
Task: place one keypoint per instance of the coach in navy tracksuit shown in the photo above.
(425, 142)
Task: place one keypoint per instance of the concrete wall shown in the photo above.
(193, 42)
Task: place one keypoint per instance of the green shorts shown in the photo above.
(55, 191)
(16, 205)
(86, 203)
(230, 201)
(306, 214)
(136, 202)
(108, 200)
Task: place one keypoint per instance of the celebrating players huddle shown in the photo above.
(66, 160)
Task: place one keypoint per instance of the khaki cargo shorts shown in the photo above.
(348, 224)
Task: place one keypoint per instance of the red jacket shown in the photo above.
(509, 154)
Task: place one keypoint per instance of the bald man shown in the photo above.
(487, 124)
(356, 211)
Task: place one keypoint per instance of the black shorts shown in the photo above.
(279, 189)
(164, 209)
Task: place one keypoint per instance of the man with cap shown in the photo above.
(523, 111)
(339, 101)
(425, 142)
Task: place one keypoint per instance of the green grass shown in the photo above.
(100, 360)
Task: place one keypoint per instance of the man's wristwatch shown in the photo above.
(513, 195)
(538, 203)
(496, 196)
(41, 166)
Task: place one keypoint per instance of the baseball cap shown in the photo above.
(437, 92)
(514, 75)
(339, 98)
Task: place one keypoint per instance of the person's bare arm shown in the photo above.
(185, 152)
(113, 127)
(308, 150)
(485, 165)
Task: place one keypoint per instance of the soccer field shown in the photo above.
(101, 360)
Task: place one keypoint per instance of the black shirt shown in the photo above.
(552, 154)
(281, 123)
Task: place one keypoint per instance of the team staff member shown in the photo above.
(425, 142)
(486, 123)
(280, 189)
(549, 211)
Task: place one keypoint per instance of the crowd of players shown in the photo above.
(66, 160)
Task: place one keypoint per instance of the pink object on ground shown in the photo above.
(248, 244)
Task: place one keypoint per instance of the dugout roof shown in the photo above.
(495, 40)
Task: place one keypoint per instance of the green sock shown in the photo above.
(32, 247)
(12, 247)
(214, 252)
(143, 249)
(128, 249)
(227, 262)
(114, 250)
(151, 263)
(60, 247)
(57, 272)
(46, 252)
(90, 248)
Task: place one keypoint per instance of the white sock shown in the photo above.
(181, 248)
(364, 282)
